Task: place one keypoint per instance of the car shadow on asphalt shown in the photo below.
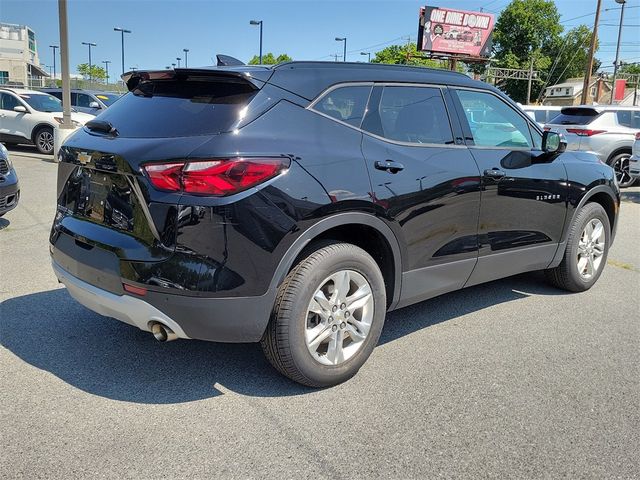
(31, 150)
(104, 357)
(4, 223)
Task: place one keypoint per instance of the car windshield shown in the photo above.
(42, 102)
(108, 98)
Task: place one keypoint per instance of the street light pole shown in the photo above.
(122, 32)
(89, 44)
(367, 53)
(186, 54)
(258, 22)
(592, 49)
(344, 54)
(54, 47)
(106, 67)
(64, 66)
(616, 64)
(178, 59)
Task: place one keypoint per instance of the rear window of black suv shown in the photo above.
(179, 108)
(575, 116)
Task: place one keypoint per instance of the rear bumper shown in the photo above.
(235, 320)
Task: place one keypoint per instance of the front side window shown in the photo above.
(346, 104)
(8, 102)
(84, 100)
(493, 123)
(411, 115)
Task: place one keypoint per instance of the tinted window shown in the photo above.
(7, 102)
(411, 114)
(84, 100)
(177, 108)
(541, 115)
(346, 104)
(629, 118)
(108, 98)
(576, 116)
(58, 95)
(494, 123)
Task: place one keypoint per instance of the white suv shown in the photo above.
(28, 116)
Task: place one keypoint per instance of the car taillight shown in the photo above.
(216, 177)
(583, 132)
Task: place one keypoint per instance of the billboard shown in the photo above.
(444, 30)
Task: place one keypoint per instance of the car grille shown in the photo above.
(4, 166)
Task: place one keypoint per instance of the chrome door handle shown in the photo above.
(389, 166)
(494, 173)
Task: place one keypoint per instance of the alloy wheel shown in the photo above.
(591, 248)
(339, 317)
(45, 141)
(621, 167)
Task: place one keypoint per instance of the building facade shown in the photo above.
(19, 62)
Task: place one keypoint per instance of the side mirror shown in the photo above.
(553, 142)
(94, 105)
(20, 109)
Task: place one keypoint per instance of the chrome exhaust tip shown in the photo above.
(162, 333)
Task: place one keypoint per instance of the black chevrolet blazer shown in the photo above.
(295, 205)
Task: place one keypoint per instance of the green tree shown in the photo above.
(406, 54)
(526, 29)
(270, 59)
(96, 72)
(631, 68)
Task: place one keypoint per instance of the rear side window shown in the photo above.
(629, 118)
(412, 115)
(179, 108)
(576, 116)
(84, 100)
(8, 102)
(540, 115)
(346, 104)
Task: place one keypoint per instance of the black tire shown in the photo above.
(620, 164)
(43, 140)
(566, 275)
(284, 342)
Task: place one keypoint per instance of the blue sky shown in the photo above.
(305, 29)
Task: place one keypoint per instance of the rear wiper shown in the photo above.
(101, 126)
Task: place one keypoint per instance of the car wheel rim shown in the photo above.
(621, 167)
(45, 141)
(339, 317)
(591, 248)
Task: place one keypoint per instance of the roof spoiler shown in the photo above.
(227, 61)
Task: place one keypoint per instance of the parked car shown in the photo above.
(325, 195)
(87, 101)
(607, 131)
(28, 116)
(542, 114)
(634, 159)
(9, 186)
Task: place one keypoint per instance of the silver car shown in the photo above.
(607, 131)
(634, 160)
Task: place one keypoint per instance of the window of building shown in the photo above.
(346, 104)
(567, 91)
(32, 41)
(412, 115)
(4, 77)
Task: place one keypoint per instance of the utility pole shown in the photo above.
(106, 67)
(335, 57)
(587, 74)
(530, 80)
(54, 61)
(90, 44)
(122, 32)
(64, 66)
(616, 64)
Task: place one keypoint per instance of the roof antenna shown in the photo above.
(227, 61)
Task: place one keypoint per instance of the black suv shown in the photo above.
(295, 205)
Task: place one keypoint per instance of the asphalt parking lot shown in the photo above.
(508, 379)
